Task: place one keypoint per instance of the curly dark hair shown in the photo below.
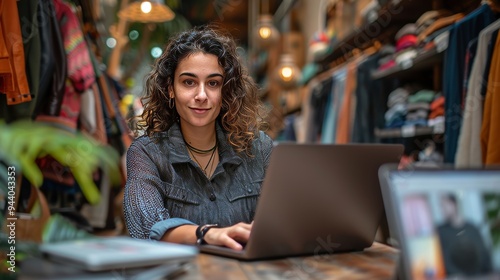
(240, 115)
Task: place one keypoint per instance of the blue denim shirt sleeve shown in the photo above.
(159, 229)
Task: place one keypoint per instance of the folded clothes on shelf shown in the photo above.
(436, 121)
(398, 96)
(437, 102)
(417, 115)
(417, 122)
(418, 106)
(423, 95)
(405, 58)
(396, 123)
(436, 112)
(398, 109)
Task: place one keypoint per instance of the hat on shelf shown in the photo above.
(427, 18)
(321, 43)
(408, 29)
(406, 37)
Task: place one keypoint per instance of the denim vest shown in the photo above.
(165, 188)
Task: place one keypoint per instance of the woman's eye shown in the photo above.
(189, 82)
(213, 83)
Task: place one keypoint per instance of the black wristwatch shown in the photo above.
(201, 231)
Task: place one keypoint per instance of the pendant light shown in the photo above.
(147, 11)
(287, 72)
(266, 33)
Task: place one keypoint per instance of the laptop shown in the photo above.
(445, 221)
(108, 253)
(316, 199)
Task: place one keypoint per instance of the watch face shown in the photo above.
(201, 231)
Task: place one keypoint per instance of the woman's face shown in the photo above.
(198, 89)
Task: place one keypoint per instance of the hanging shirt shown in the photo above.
(469, 147)
(490, 129)
(331, 115)
(344, 119)
(461, 34)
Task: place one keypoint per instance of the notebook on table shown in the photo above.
(445, 221)
(107, 253)
(317, 199)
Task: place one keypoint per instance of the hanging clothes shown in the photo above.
(469, 152)
(80, 75)
(53, 85)
(317, 103)
(461, 34)
(490, 129)
(13, 80)
(345, 119)
(336, 97)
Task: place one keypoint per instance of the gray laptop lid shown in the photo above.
(317, 199)
(106, 253)
(445, 221)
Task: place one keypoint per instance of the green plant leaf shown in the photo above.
(24, 141)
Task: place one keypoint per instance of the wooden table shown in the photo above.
(376, 262)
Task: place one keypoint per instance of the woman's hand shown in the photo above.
(229, 236)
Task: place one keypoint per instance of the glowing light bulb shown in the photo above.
(286, 73)
(265, 32)
(156, 52)
(111, 42)
(146, 7)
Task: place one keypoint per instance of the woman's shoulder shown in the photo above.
(145, 140)
(263, 141)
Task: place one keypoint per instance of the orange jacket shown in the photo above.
(13, 80)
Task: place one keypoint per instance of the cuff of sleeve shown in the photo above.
(159, 229)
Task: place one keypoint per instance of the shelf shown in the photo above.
(390, 19)
(421, 62)
(408, 131)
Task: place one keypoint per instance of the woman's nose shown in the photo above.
(201, 94)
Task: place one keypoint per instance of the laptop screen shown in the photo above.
(448, 222)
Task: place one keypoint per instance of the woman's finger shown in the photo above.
(240, 233)
(246, 226)
(230, 243)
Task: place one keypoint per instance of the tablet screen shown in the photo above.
(449, 222)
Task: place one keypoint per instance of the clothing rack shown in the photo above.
(371, 48)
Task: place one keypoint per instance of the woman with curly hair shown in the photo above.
(195, 174)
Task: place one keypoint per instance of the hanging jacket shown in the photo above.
(47, 62)
(13, 80)
(53, 92)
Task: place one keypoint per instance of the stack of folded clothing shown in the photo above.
(406, 41)
(396, 114)
(387, 57)
(436, 116)
(418, 107)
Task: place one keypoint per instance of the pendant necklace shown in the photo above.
(192, 150)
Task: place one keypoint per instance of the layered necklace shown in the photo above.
(192, 150)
